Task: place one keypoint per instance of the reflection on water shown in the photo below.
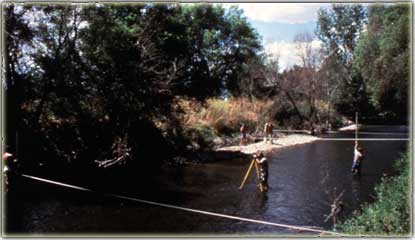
(304, 180)
(356, 185)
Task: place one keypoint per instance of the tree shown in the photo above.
(300, 85)
(98, 77)
(354, 98)
(18, 36)
(310, 81)
(382, 57)
(339, 29)
(52, 92)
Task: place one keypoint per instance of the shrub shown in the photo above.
(390, 213)
(226, 116)
(201, 135)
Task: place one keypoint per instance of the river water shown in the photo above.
(304, 181)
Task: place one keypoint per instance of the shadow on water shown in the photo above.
(303, 182)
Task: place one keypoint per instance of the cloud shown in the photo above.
(282, 12)
(287, 52)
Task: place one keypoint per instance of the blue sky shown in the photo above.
(277, 31)
(278, 23)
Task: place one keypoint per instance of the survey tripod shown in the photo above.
(262, 188)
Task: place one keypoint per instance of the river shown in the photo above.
(304, 181)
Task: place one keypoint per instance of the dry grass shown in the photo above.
(226, 116)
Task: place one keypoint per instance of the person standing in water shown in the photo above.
(357, 159)
(262, 161)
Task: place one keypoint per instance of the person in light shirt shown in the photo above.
(7, 157)
(265, 132)
(357, 159)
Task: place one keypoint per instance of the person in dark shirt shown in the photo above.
(242, 130)
(262, 161)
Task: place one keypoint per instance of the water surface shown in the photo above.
(304, 181)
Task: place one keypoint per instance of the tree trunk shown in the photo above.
(292, 101)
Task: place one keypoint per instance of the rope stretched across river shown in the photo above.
(186, 209)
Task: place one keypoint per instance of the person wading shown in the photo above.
(357, 160)
(262, 161)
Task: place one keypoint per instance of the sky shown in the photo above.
(278, 23)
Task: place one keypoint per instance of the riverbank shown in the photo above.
(279, 143)
(390, 213)
(297, 196)
(350, 128)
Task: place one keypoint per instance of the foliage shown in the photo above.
(354, 98)
(90, 75)
(390, 213)
(201, 136)
(339, 29)
(80, 77)
(226, 116)
(382, 57)
(17, 34)
(367, 59)
(301, 86)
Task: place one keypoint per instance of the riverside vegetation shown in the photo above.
(93, 86)
(390, 213)
(87, 84)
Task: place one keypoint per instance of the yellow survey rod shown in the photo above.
(247, 174)
(259, 178)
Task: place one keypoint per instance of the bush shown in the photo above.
(390, 213)
(226, 116)
(200, 135)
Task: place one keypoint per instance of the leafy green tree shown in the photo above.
(243, 45)
(382, 56)
(99, 77)
(339, 29)
(220, 44)
(354, 98)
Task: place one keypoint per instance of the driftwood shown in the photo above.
(120, 151)
(336, 208)
(110, 162)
